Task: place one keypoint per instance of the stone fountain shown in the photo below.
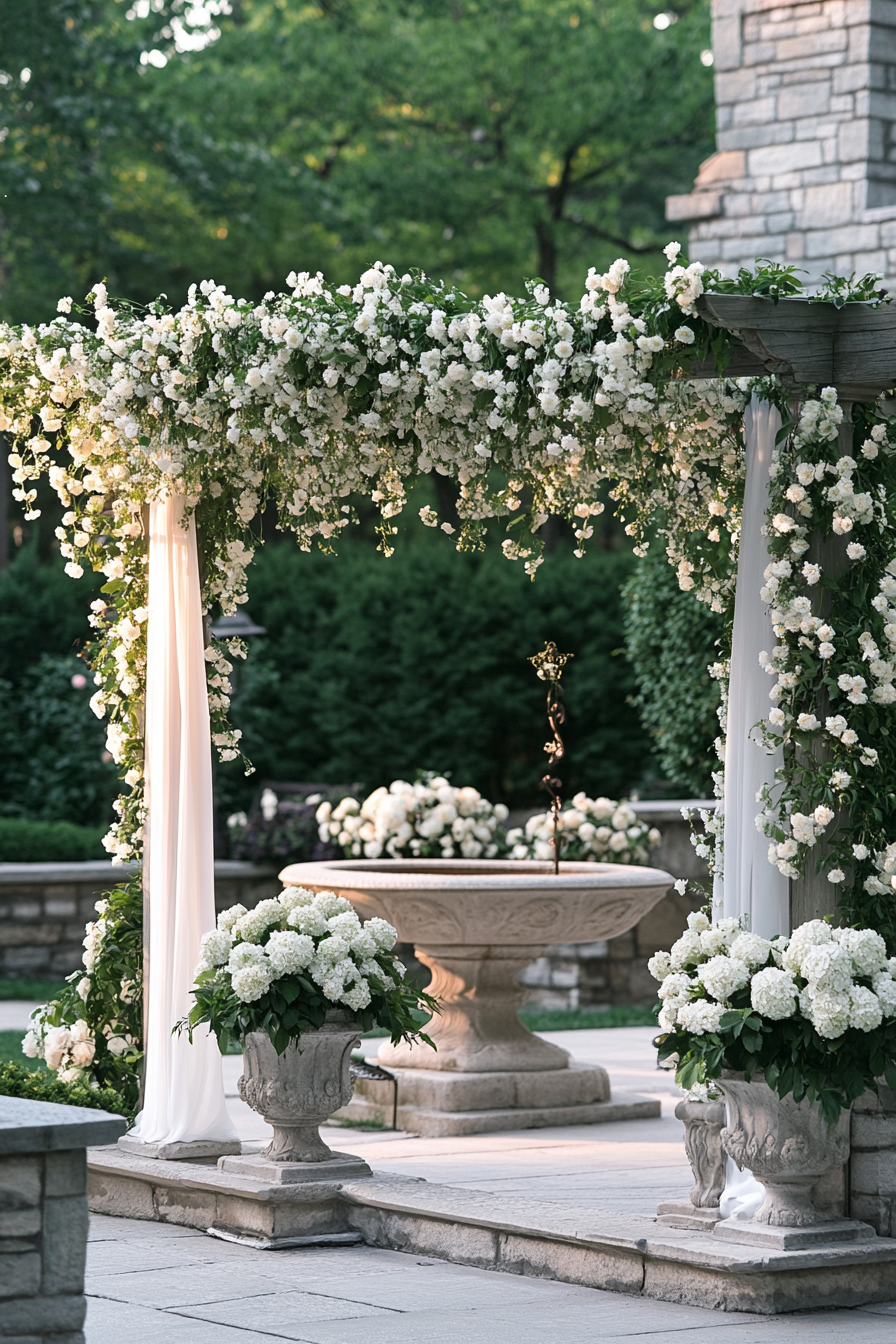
(476, 924)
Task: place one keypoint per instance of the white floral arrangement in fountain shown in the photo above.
(593, 830)
(814, 1013)
(283, 965)
(429, 819)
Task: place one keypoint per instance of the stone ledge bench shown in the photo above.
(43, 1216)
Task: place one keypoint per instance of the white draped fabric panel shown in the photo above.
(751, 885)
(184, 1093)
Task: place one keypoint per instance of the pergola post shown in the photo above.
(805, 343)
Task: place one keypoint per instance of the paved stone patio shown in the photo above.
(151, 1283)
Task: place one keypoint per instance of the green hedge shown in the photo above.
(17, 1081)
(23, 841)
(374, 668)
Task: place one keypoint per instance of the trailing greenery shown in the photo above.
(671, 640)
(23, 841)
(94, 1028)
(18, 1081)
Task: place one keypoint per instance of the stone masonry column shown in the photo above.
(805, 171)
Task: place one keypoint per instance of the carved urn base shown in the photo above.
(298, 1090)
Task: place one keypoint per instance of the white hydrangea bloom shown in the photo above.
(815, 933)
(773, 993)
(293, 897)
(751, 949)
(885, 988)
(228, 918)
(675, 985)
(687, 950)
(722, 975)
(865, 1009)
(660, 965)
(867, 949)
(701, 1017)
(308, 919)
(252, 926)
(246, 954)
(252, 981)
(289, 952)
(215, 947)
(382, 932)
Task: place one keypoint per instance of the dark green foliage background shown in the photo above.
(373, 669)
(671, 641)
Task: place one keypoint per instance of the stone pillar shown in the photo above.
(43, 1216)
(805, 170)
(872, 1165)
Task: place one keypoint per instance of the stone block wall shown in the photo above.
(806, 131)
(872, 1163)
(43, 1217)
(45, 906)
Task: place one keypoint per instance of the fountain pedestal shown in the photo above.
(476, 925)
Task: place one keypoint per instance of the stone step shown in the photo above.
(434, 1123)
(622, 1253)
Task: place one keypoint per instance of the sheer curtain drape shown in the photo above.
(751, 886)
(184, 1094)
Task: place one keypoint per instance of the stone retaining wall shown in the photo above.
(43, 1217)
(45, 906)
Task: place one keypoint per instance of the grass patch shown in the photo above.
(11, 1051)
(23, 987)
(578, 1019)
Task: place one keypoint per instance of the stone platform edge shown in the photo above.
(595, 1248)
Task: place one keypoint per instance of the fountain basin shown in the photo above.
(477, 924)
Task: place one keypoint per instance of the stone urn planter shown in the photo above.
(295, 1093)
(477, 924)
(789, 1147)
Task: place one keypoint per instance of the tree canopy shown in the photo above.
(481, 140)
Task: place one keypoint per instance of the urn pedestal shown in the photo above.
(703, 1123)
(477, 924)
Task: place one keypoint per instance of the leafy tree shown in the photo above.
(482, 141)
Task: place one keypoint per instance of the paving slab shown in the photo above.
(366, 1295)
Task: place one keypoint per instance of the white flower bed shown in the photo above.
(596, 830)
(429, 819)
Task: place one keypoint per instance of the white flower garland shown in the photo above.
(529, 404)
